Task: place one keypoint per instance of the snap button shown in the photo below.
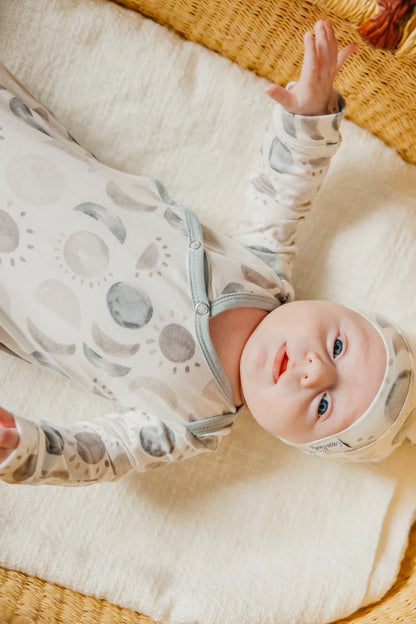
(195, 244)
(201, 308)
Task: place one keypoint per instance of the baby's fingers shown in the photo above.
(9, 439)
(322, 45)
(332, 42)
(279, 94)
(6, 418)
(344, 54)
(4, 454)
(310, 64)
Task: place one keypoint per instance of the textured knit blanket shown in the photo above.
(257, 532)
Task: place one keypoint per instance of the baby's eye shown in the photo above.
(323, 406)
(338, 347)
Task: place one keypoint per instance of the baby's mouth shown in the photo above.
(280, 363)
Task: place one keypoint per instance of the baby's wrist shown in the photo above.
(308, 104)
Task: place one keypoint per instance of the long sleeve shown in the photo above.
(294, 158)
(103, 449)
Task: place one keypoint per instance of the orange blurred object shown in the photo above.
(385, 28)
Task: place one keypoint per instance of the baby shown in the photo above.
(124, 291)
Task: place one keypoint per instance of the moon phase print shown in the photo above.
(84, 256)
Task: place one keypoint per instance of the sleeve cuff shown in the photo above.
(311, 130)
(26, 451)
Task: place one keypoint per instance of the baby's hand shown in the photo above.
(321, 62)
(9, 436)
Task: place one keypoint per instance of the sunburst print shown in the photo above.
(85, 256)
(101, 389)
(15, 237)
(174, 345)
(153, 258)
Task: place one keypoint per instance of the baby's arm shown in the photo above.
(301, 138)
(103, 449)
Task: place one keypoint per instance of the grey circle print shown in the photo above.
(25, 470)
(90, 447)
(110, 346)
(53, 439)
(176, 343)
(124, 200)
(9, 233)
(129, 306)
(47, 343)
(157, 441)
(86, 254)
(102, 214)
(25, 114)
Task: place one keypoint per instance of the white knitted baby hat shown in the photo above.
(383, 426)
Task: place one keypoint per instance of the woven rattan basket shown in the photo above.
(265, 36)
(27, 600)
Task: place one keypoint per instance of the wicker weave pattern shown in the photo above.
(354, 12)
(28, 600)
(266, 37)
(357, 12)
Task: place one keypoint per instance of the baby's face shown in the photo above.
(310, 369)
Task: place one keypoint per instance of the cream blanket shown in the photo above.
(258, 532)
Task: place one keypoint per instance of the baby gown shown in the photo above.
(109, 282)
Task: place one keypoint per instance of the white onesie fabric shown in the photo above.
(106, 280)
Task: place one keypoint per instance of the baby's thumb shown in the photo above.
(9, 439)
(278, 94)
(6, 419)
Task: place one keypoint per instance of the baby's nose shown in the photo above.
(317, 372)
